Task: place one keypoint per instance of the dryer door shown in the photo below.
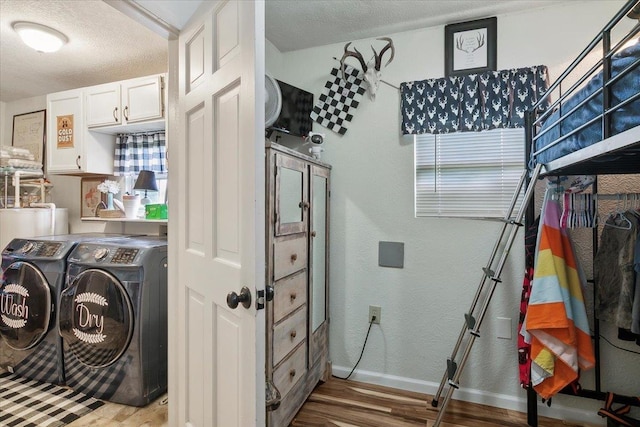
(96, 318)
(25, 305)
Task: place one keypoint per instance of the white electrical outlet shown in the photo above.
(503, 328)
(376, 311)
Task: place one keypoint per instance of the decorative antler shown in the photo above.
(388, 46)
(479, 42)
(370, 70)
(356, 54)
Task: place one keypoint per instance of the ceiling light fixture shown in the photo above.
(40, 37)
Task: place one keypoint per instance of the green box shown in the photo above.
(156, 211)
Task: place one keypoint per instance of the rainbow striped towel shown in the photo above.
(556, 321)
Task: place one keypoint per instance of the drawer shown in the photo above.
(289, 255)
(289, 333)
(289, 294)
(290, 371)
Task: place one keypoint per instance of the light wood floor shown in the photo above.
(115, 415)
(339, 403)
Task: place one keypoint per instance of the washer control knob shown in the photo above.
(27, 247)
(100, 253)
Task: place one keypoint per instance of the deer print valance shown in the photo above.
(475, 102)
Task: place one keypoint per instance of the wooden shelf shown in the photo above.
(138, 220)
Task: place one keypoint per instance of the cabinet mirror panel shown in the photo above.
(319, 240)
(290, 199)
(290, 196)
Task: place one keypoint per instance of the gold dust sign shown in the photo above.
(65, 131)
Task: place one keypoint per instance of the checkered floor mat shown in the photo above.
(26, 403)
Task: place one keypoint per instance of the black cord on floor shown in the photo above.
(373, 318)
(619, 348)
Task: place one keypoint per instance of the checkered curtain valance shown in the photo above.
(474, 102)
(140, 151)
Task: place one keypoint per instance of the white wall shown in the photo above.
(372, 200)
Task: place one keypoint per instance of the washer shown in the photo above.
(33, 276)
(113, 320)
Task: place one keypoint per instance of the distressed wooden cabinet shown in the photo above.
(297, 279)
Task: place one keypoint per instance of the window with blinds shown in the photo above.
(468, 174)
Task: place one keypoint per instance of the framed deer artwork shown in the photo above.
(470, 47)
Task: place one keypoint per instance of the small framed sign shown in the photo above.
(90, 196)
(29, 133)
(470, 47)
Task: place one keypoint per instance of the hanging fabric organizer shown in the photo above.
(475, 102)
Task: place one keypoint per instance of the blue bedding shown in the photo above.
(622, 119)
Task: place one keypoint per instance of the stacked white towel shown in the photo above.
(16, 158)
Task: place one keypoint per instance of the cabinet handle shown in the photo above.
(78, 162)
(294, 257)
(293, 296)
(126, 116)
(292, 373)
(303, 205)
(293, 334)
(115, 112)
(313, 234)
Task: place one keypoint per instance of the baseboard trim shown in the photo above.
(516, 403)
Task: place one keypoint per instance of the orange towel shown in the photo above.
(556, 319)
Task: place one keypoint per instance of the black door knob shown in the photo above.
(269, 293)
(244, 298)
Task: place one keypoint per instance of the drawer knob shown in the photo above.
(293, 296)
(303, 205)
(294, 257)
(293, 334)
(292, 373)
(313, 234)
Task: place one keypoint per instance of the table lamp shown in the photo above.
(146, 181)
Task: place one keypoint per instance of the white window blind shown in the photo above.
(468, 174)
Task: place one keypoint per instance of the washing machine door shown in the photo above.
(96, 318)
(25, 306)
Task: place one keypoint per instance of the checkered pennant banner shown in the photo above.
(338, 98)
(27, 403)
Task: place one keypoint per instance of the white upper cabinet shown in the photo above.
(71, 148)
(126, 106)
(103, 105)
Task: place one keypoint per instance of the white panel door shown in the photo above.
(218, 168)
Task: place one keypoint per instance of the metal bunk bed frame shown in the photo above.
(591, 160)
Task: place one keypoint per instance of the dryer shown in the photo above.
(31, 280)
(113, 320)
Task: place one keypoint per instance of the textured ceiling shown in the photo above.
(293, 25)
(105, 45)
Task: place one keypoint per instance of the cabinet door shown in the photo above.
(103, 105)
(64, 131)
(142, 99)
(318, 256)
(291, 203)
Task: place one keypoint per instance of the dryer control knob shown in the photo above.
(28, 247)
(100, 253)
